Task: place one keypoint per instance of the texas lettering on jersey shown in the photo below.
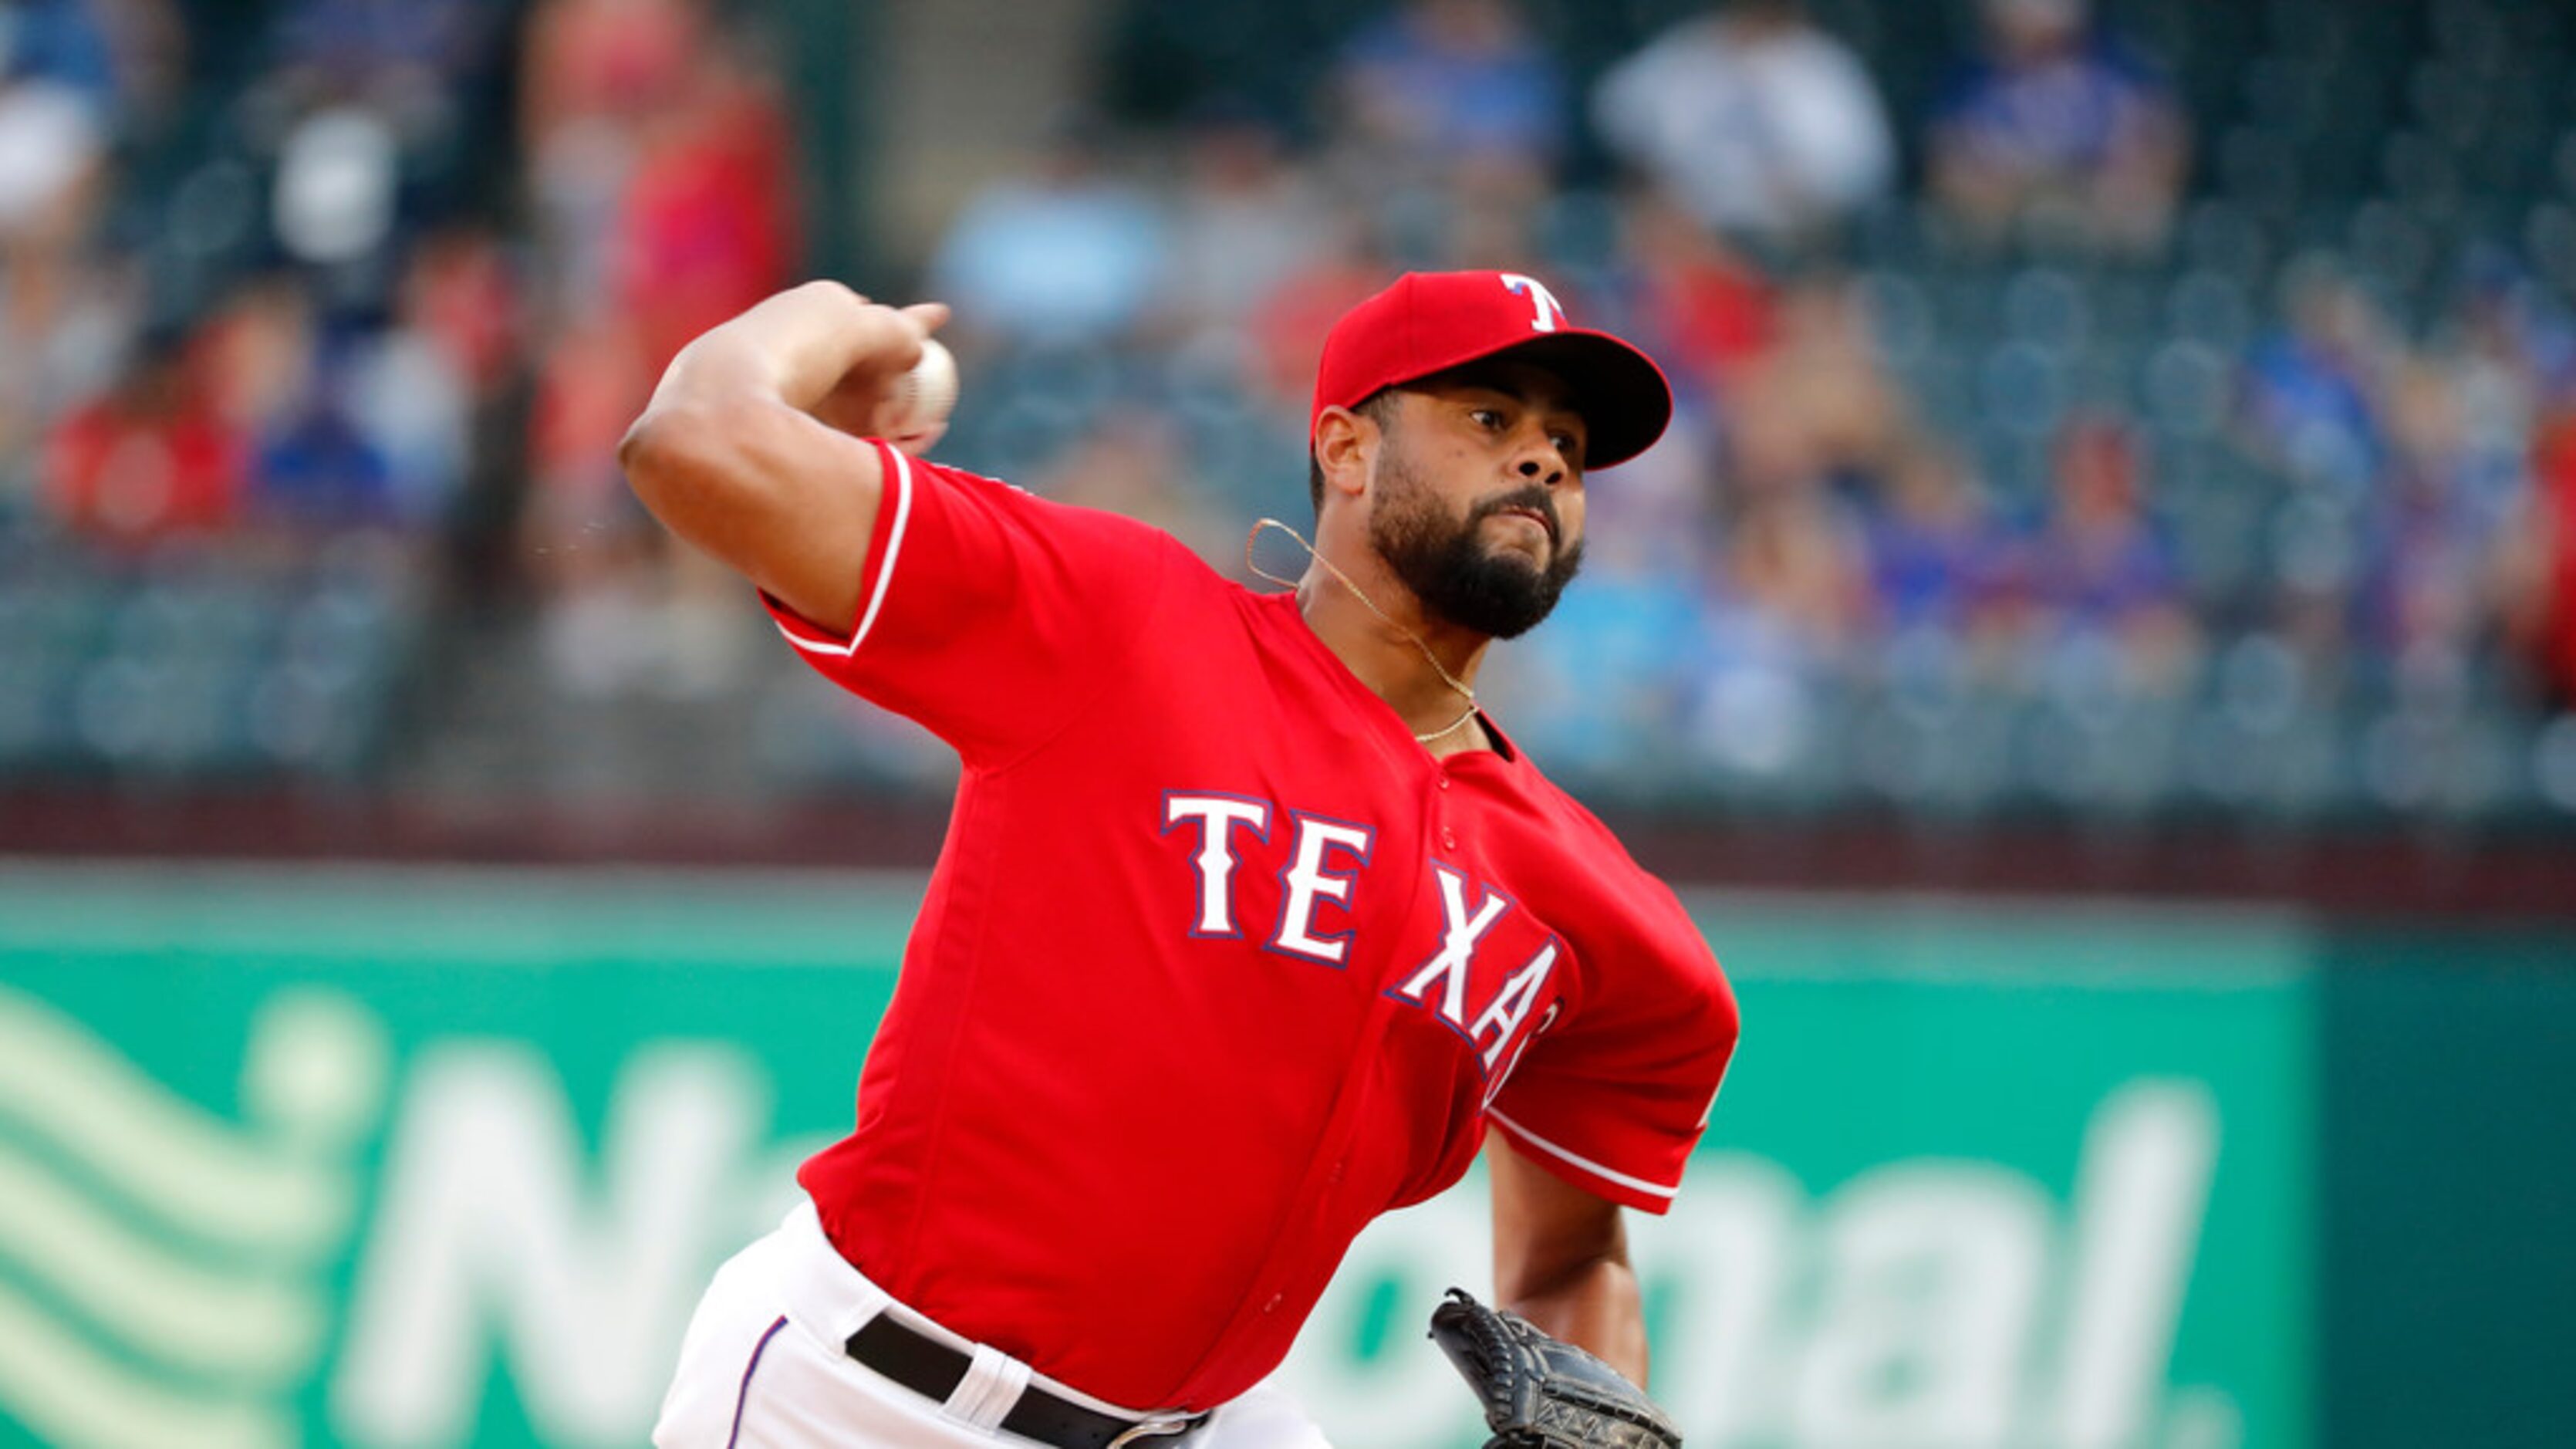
(1484, 980)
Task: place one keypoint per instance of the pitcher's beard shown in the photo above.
(1447, 565)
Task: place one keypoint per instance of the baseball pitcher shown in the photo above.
(1250, 925)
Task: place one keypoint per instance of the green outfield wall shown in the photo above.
(402, 1159)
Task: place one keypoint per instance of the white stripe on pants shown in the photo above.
(763, 1367)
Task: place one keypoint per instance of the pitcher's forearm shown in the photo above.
(1561, 1261)
(1596, 1306)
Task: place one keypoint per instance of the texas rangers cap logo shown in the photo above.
(1550, 313)
(1429, 322)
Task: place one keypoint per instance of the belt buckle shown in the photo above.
(1154, 1427)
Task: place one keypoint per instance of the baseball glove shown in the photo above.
(1540, 1392)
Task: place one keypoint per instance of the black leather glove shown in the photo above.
(1540, 1392)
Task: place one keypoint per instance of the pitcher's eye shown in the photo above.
(1486, 418)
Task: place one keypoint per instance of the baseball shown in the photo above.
(916, 411)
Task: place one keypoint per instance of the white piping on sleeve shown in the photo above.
(885, 566)
(1710, 1110)
(1606, 1174)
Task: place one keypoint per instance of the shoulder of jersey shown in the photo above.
(1569, 812)
(933, 467)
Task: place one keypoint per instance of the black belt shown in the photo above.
(932, 1369)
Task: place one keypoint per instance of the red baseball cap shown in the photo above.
(1430, 322)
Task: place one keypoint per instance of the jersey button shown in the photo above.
(1444, 782)
(1448, 838)
(1275, 1300)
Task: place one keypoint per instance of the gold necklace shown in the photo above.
(1370, 604)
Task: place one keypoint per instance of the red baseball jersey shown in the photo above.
(1217, 963)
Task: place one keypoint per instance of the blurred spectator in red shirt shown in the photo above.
(591, 388)
(2540, 565)
(1709, 312)
(1758, 122)
(664, 170)
(710, 220)
(592, 75)
(2061, 131)
(461, 292)
(1288, 327)
(151, 459)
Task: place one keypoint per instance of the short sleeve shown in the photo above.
(988, 615)
(1614, 1099)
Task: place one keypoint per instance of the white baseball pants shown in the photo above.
(763, 1367)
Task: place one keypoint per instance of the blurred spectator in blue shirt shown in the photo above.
(2097, 570)
(1069, 253)
(1603, 682)
(58, 113)
(63, 42)
(1791, 546)
(1783, 597)
(1756, 121)
(351, 46)
(2312, 390)
(1454, 89)
(413, 398)
(2060, 131)
(1934, 556)
(1247, 218)
(322, 470)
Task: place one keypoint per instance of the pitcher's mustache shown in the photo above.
(1536, 498)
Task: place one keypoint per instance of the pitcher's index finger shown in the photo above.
(931, 315)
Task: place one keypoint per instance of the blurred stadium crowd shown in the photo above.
(2146, 408)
